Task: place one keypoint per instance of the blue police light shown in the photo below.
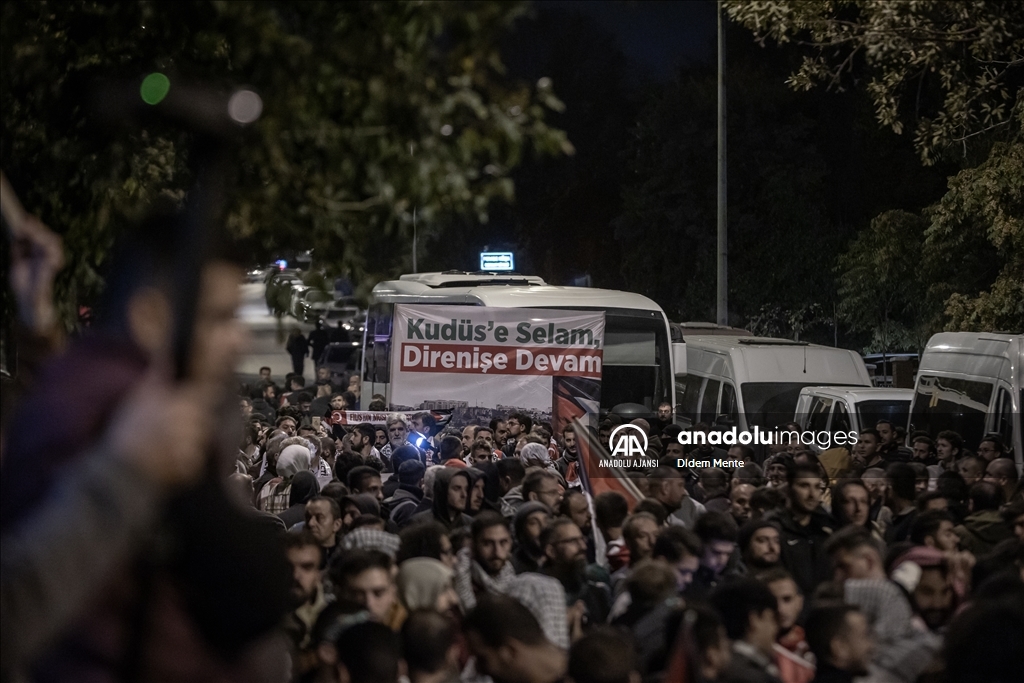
(491, 261)
(281, 264)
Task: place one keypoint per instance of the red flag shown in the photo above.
(595, 478)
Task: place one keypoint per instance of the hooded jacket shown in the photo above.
(803, 548)
(439, 504)
(982, 531)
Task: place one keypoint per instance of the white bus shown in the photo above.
(639, 360)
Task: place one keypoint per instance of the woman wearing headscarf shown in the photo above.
(426, 583)
(274, 497)
(304, 487)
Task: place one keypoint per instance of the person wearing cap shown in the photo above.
(527, 527)
(759, 545)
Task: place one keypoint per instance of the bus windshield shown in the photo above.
(636, 360)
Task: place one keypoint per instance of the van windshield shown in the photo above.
(959, 405)
(873, 412)
(770, 404)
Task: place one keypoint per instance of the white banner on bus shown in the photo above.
(477, 360)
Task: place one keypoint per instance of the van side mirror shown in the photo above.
(679, 358)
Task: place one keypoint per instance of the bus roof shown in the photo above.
(503, 291)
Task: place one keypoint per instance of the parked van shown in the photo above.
(748, 381)
(851, 409)
(971, 383)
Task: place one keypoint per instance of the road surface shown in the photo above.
(266, 338)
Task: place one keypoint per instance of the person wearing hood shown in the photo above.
(400, 456)
(984, 527)
(475, 501)
(530, 521)
(451, 497)
(304, 487)
(275, 495)
(402, 504)
(492, 485)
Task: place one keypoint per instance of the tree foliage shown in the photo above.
(371, 110)
(953, 68)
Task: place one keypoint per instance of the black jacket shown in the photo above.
(439, 505)
(803, 548)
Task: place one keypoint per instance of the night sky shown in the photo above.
(655, 36)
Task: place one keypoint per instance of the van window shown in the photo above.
(841, 418)
(820, 409)
(769, 404)
(873, 412)
(1004, 417)
(688, 396)
(949, 403)
(709, 401)
(729, 406)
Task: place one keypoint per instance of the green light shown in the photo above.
(155, 88)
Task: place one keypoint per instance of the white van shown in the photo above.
(971, 383)
(748, 381)
(850, 409)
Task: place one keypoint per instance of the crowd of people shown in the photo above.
(880, 562)
(150, 533)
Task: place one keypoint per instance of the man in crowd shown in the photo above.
(791, 643)
(739, 503)
(509, 644)
(669, 489)
(900, 498)
(972, 469)
(990, 448)
(841, 641)
(519, 425)
(759, 544)
(984, 527)
(565, 559)
(304, 554)
(430, 647)
(530, 521)
(639, 532)
(323, 520)
(365, 578)
(543, 486)
(804, 529)
(485, 566)
(717, 533)
(935, 529)
(367, 480)
(750, 615)
(866, 452)
(569, 452)
(1003, 473)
